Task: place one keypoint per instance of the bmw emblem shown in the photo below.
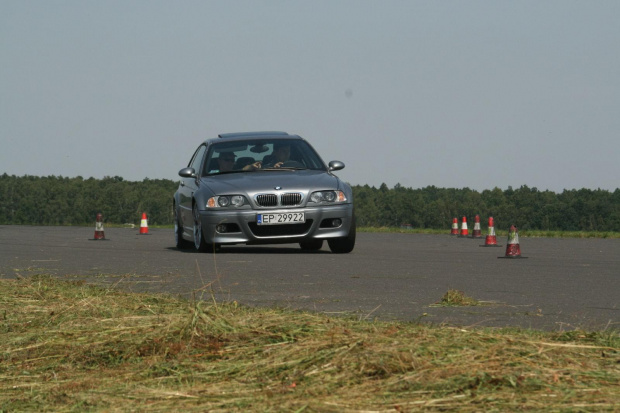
(277, 188)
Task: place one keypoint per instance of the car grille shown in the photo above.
(290, 199)
(267, 200)
(286, 199)
(280, 230)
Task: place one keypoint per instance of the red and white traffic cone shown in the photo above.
(99, 233)
(491, 239)
(476, 232)
(464, 230)
(144, 226)
(455, 227)
(513, 249)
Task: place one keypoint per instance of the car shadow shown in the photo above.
(255, 249)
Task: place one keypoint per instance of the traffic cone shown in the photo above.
(455, 227)
(476, 233)
(464, 230)
(491, 239)
(144, 226)
(513, 250)
(99, 234)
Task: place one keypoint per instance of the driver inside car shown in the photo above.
(225, 161)
(281, 153)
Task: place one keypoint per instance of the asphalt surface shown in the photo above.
(564, 284)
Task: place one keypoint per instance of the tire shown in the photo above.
(199, 239)
(343, 245)
(180, 242)
(312, 245)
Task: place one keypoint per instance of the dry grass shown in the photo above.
(74, 347)
(457, 298)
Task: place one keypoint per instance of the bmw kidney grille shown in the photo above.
(286, 199)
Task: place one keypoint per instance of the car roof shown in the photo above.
(238, 136)
(251, 134)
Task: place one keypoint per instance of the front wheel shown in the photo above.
(180, 242)
(199, 240)
(343, 245)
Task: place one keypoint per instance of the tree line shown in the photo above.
(527, 208)
(51, 200)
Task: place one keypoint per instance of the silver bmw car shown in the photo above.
(262, 188)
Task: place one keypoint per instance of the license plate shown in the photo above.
(281, 218)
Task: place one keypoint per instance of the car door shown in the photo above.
(189, 185)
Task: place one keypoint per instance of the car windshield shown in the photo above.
(281, 154)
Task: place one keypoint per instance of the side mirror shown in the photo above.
(187, 173)
(336, 166)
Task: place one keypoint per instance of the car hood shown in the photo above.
(259, 181)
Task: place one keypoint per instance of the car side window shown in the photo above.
(197, 158)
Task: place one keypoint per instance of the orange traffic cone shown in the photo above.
(491, 239)
(99, 234)
(144, 226)
(455, 227)
(476, 232)
(464, 230)
(513, 250)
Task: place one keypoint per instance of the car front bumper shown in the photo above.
(242, 228)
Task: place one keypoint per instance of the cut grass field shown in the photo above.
(69, 346)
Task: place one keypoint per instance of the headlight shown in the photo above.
(237, 200)
(226, 201)
(328, 197)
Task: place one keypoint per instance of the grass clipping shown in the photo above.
(70, 346)
(457, 298)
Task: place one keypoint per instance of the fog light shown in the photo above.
(336, 222)
(221, 228)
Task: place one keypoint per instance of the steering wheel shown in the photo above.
(292, 164)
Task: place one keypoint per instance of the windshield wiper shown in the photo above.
(226, 172)
(284, 168)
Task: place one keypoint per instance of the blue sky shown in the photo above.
(477, 94)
